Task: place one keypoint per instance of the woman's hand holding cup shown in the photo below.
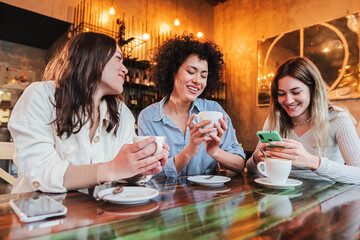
(213, 144)
(210, 128)
(134, 159)
(198, 134)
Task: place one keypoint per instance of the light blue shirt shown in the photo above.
(153, 122)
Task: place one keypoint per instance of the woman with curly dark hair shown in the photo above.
(185, 69)
(73, 131)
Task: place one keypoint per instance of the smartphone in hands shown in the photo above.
(269, 136)
(37, 208)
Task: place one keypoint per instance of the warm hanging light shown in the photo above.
(146, 35)
(112, 9)
(177, 21)
(199, 34)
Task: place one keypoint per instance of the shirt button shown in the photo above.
(36, 184)
(97, 138)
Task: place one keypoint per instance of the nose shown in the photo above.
(288, 99)
(124, 69)
(197, 78)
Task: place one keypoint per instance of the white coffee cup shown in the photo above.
(159, 141)
(209, 115)
(277, 170)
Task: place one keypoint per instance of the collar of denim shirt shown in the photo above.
(159, 115)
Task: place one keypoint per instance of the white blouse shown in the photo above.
(42, 157)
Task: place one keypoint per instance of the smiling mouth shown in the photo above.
(193, 89)
(292, 107)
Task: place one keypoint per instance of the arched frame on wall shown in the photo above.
(333, 46)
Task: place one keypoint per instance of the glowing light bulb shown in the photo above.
(176, 22)
(112, 10)
(199, 34)
(146, 36)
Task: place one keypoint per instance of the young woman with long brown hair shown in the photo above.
(73, 130)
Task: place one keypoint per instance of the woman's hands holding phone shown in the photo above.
(296, 152)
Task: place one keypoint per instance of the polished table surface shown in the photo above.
(241, 209)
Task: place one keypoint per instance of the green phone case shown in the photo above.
(269, 136)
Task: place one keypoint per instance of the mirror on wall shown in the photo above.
(333, 46)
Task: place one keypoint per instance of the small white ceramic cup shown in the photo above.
(209, 115)
(277, 170)
(159, 141)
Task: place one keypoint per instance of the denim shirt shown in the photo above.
(153, 122)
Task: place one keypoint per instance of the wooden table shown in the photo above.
(240, 209)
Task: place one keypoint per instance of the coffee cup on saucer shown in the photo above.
(277, 170)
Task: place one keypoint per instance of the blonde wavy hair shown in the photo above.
(305, 71)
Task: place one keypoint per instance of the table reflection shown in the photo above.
(239, 209)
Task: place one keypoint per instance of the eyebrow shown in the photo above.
(295, 88)
(195, 68)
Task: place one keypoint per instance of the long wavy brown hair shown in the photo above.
(77, 71)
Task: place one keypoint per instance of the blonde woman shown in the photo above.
(319, 138)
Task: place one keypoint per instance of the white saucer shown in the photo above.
(130, 195)
(290, 183)
(209, 180)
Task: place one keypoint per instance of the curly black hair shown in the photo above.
(174, 52)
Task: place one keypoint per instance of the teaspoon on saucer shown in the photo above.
(207, 178)
(115, 191)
